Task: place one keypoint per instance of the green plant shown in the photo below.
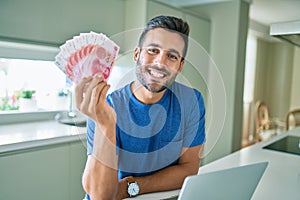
(6, 104)
(62, 93)
(27, 94)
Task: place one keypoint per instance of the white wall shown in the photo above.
(295, 91)
(229, 25)
(135, 8)
(280, 64)
(274, 72)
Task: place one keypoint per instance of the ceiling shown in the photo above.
(267, 12)
(264, 12)
(280, 18)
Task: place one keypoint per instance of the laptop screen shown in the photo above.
(234, 183)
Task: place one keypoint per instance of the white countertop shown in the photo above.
(281, 179)
(33, 134)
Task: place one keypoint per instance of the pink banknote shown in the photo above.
(88, 54)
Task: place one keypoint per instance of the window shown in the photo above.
(32, 85)
(28, 70)
(250, 65)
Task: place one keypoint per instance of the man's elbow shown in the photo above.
(95, 191)
(191, 169)
(85, 184)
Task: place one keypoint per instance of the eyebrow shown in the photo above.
(171, 50)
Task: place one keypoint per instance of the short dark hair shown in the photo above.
(170, 23)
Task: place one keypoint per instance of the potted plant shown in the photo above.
(27, 94)
(28, 101)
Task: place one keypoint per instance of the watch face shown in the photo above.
(133, 189)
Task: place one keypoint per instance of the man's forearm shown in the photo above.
(100, 178)
(99, 181)
(167, 179)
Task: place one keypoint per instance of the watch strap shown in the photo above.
(132, 184)
(130, 179)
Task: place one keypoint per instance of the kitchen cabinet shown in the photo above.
(77, 152)
(48, 172)
(57, 21)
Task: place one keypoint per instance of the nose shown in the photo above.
(161, 59)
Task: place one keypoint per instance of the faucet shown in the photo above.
(71, 113)
(70, 117)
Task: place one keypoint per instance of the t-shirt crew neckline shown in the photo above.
(136, 101)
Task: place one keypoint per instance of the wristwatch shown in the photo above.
(132, 188)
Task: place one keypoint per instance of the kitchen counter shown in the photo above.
(281, 179)
(41, 160)
(20, 136)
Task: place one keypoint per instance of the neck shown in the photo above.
(144, 95)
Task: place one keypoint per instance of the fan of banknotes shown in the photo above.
(87, 54)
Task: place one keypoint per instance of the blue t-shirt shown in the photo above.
(150, 137)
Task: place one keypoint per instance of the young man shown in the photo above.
(149, 135)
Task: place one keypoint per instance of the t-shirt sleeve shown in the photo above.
(195, 125)
(90, 136)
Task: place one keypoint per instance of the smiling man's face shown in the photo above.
(159, 60)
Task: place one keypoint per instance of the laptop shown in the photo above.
(234, 183)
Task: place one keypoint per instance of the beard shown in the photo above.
(151, 84)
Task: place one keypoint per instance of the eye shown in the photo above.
(153, 50)
(173, 57)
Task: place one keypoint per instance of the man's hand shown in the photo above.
(90, 96)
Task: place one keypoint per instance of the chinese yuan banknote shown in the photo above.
(88, 54)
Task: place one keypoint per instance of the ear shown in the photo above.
(181, 66)
(136, 53)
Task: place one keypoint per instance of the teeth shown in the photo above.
(156, 74)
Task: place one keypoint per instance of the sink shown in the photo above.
(73, 118)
